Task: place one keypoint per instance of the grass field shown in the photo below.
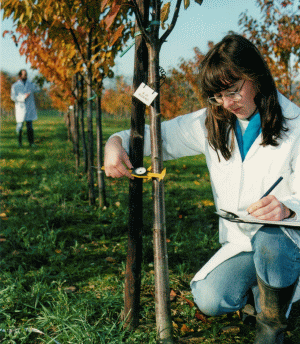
(63, 261)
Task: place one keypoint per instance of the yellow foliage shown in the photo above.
(207, 203)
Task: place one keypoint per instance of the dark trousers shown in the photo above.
(30, 132)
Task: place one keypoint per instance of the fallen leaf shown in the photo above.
(110, 259)
(230, 329)
(239, 314)
(189, 302)
(185, 329)
(200, 316)
(70, 289)
(173, 295)
(207, 202)
(191, 340)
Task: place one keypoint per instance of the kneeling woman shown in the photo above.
(250, 136)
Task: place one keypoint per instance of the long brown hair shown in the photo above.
(233, 59)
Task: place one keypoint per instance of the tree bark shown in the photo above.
(90, 150)
(100, 172)
(134, 251)
(162, 289)
(68, 123)
(82, 125)
(76, 125)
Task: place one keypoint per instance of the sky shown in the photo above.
(194, 28)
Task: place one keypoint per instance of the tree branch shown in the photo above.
(140, 22)
(173, 23)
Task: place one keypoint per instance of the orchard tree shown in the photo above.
(80, 24)
(58, 98)
(159, 13)
(181, 92)
(55, 61)
(190, 70)
(7, 105)
(277, 36)
(173, 95)
(42, 98)
(118, 101)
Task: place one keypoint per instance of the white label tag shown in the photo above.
(145, 94)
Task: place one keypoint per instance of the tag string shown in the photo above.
(162, 78)
(93, 97)
(154, 22)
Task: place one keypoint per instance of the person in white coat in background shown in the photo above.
(22, 93)
(250, 136)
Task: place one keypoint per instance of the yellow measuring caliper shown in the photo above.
(142, 172)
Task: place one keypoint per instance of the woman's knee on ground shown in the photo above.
(207, 297)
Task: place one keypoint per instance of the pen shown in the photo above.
(272, 187)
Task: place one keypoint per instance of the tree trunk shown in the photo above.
(68, 123)
(82, 126)
(90, 150)
(76, 126)
(162, 290)
(134, 251)
(100, 173)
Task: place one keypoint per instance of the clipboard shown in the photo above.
(232, 217)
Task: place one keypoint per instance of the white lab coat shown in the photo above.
(24, 108)
(238, 184)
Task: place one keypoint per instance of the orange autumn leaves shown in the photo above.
(277, 36)
(63, 38)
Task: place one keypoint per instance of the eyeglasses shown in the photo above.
(219, 100)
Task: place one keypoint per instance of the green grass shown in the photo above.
(63, 261)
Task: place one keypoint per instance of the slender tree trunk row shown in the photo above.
(76, 125)
(75, 117)
(134, 254)
(100, 172)
(90, 142)
(161, 269)
(135, 226)
(82, 126)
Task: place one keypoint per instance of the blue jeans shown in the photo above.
(276, 260)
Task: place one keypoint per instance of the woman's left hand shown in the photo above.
(269, 208)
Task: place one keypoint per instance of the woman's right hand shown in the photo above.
(116, 160)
